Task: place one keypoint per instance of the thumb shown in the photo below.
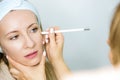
(14, 73)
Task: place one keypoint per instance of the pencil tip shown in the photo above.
(87, 29)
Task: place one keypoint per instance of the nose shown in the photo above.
(29, 42)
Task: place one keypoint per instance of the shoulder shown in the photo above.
(105, 73)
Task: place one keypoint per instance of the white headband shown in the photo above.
(7, 5)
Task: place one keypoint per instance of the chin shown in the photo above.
(34, 62)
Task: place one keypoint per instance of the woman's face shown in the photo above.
(20, 37)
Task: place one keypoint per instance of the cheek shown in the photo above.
(15, 52)
(38, 39)
(13, 49)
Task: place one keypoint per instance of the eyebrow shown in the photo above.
(16, 31)
(31, 25)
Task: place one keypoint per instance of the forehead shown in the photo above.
(17, 19)
(18, 15)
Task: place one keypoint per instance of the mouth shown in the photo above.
(31, 55)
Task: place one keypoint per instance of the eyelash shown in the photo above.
(34, 30)
(14, 37)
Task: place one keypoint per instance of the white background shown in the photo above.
(82, 50)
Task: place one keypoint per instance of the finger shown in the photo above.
(57, 28)
(16, 77)
(46, 36)
(59, 36)
(52, 36)
(15, 73)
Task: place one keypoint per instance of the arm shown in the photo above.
(54, 48)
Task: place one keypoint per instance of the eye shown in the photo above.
(14, 37)
(34, 30)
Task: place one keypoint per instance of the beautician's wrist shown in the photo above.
(57, 62)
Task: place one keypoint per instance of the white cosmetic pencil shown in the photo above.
(67, 30)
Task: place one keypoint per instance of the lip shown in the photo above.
(31, 55)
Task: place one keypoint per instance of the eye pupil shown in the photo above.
(34, 30)
(13, 38)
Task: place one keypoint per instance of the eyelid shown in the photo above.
(11, 38)
(35, 28)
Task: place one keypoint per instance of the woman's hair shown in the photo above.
(114, 37)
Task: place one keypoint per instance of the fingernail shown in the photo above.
(46, 40)
(43, 42)
(44, 53)
(7, 56)
(51, 30)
